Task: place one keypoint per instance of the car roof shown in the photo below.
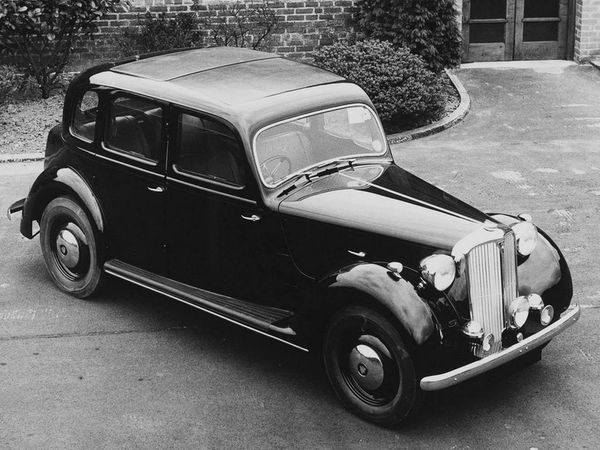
(248, 88)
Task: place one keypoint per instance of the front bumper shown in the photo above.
(445, 380)
(15, 208)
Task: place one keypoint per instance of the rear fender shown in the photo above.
(393, 293)
(52, 183)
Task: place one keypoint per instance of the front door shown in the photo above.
(219, 237)
(501, 30)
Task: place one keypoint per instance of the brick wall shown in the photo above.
(303, 27)
(587, 29)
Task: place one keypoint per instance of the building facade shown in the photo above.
(492, 29)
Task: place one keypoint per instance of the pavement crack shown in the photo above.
(90, 333)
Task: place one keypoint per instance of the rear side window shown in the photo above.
(207, 148)
(83, 125)
(135, 127)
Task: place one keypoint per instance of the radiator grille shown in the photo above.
(491, 271)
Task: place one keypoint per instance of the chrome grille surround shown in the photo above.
(490, 261)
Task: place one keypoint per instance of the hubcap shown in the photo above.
(366, 367)
(67, 248)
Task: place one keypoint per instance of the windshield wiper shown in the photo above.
(318, 171)
(327, 168)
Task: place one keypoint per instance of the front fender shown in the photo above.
(54, 182)
(396, 295)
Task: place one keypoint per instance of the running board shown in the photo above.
(272, 322)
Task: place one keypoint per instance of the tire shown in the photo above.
(369, 366)
(69, 245)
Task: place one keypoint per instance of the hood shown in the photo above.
(387, 200)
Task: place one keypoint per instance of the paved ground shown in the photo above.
(133, 370)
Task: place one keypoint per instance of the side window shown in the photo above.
(207, 148)
(135, 127)
(83, 124)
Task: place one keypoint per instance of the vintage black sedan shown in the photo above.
(263, 191)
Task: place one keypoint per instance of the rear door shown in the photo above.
(130, 179)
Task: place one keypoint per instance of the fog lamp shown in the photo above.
(546, 315)
(438, 270)
(519, 312)
(526, 236)
(473, 330)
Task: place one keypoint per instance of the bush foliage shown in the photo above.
(10, 79)
(41, 33)
(241, 24)
(236, 24)
(404, 91)
(159, 33)
(427, 27)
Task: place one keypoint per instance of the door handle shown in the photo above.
(252, 218)
(360, 254)
(156, 189)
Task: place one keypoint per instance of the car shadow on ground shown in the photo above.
(303, 372)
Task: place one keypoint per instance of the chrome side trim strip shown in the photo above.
(174, 297)
(212, 191)
(456, 376)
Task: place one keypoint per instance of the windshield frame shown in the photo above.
(293, 175)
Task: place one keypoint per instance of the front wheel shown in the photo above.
(69, 245)
(369, 367)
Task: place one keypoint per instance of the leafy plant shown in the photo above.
(241, 24)
(404, 91)
(10, 80)
(42, 33)
(427, 27)
(160, 33)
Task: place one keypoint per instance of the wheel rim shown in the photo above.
(368, 368)
(70, 250)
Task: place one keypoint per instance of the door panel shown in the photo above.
(541, 29)
(488, 30)
(219, 238)
(130, 180)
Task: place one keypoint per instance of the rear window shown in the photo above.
(83, 125)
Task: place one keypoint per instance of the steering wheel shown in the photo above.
(274, 168)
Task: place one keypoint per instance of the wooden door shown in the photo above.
(500, 30)
(541, 29)
(488, 30)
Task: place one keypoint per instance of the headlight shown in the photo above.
(526, 236)
(439, 270)
(519, 312)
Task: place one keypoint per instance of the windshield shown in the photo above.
(291, 147)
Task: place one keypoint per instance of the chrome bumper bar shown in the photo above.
(15, 207)
(445, 380)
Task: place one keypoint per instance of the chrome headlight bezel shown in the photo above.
(439, 270)
(526, 236)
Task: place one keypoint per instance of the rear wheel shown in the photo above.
(69, 245)
(369, 367)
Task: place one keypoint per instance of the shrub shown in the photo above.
(404, 91)
(10, 80)
(41, 33)
(241, 24)
(159, 33)
(427, 27)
